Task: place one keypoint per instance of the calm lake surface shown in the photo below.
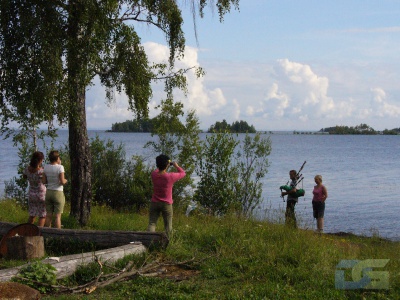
(359, 172)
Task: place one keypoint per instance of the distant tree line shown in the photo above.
(359, 129)
(236, 127)
(393, 131)
(142, 125)
(302, 132)
(147, 125)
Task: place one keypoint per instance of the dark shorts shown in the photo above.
(318, 209)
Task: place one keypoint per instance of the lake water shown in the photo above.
(359, 172)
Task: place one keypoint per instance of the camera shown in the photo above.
(171, 163)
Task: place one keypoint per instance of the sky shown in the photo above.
(282, 65)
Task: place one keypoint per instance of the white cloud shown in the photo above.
(344, 109)
(236, 110)
(205, 101)
(303, 118)
(379, 95)
(285, 95)
(297, 93)
(156, 52)
(102, 115)
(381, 107)
(250, 110)
(300, 97)
(281, 99)
(313, 89)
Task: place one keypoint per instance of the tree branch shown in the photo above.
(173, 74)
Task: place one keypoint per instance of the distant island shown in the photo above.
(146, 125)
(142, 125)
(359, 129)
(236, 127)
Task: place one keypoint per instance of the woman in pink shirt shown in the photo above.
(161, 201)
(318, 202)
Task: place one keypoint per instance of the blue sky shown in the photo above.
(284, 65)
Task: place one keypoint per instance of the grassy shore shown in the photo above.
(235, 258)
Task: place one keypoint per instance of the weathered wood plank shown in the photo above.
(68, 264)
(102, 238)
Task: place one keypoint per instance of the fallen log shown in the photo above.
(102, 238)
(67, 265)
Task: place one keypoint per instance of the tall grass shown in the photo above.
(240, 258)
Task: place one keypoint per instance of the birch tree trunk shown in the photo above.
(78, 79)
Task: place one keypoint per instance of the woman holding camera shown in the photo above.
(161, 201)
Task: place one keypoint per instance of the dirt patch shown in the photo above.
(177, 273)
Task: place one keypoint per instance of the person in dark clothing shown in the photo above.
(290, 215)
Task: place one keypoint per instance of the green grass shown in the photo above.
(240, 259)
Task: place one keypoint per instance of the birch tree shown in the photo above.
(51, 51)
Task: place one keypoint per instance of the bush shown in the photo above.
(137, 183)
(108, 162)
(229, 180)
(215, 190)
(116, 182)
(251, 164)
(38, 276)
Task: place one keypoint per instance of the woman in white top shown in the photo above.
(55, 180)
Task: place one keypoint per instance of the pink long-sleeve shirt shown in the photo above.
(163, 183)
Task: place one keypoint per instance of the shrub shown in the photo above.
(251, 164)
(229, 180)
(108, 161)
(37, 275)
(137, 183)
(116, 182)
(215, 190)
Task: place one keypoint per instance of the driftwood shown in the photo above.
(173, 271)
(102, 238)
(66, 265)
